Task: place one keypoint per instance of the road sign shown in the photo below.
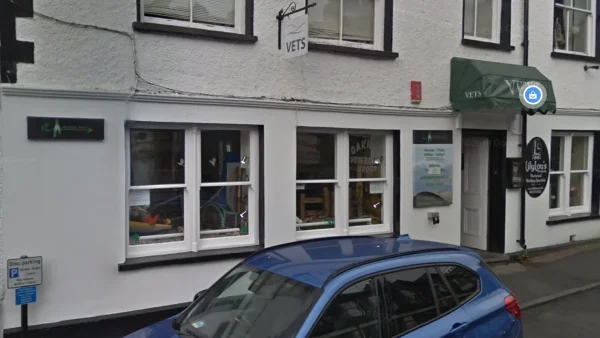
(23, 272)
(26, 295)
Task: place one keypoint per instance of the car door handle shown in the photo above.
(458, 327)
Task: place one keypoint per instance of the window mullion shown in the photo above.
(475, 18)
(567, 30)
(341, 196)
(253, 193)
(388, 195)
(567, 170)
(341, 34)
(191, 11)
(190, 206)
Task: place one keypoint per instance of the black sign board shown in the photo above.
(432, 136)
(537, 167)
(57, 128)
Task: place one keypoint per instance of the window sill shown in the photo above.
(574, 57)
(367, 53)
(487, 45)
(193, 32)
(571, 219)
(187, 258)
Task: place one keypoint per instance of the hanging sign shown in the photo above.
(295, 36)
(537, 167)
(57, 128)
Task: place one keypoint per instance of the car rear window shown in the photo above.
(464, 282)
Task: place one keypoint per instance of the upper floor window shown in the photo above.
(358, 23)
(570, 173)
(575, 26)
(487, 23)
(221, 15)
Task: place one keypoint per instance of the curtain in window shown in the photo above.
(218, 12)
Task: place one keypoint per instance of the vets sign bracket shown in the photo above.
(293, 32)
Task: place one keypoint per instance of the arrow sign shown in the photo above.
(56, 128)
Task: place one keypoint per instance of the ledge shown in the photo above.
(573, 57)
(367, 53)
(571, 219)
(487, 45)
(193, 32)
(187, 258)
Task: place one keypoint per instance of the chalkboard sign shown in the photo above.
(537, 167)
(56, 128)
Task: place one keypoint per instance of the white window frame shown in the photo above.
(497, 6)
(239, 26)
(342, 182)
(191, 193)
(591, 29)
(378, 31)
(565, 175)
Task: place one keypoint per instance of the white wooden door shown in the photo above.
(475, 192)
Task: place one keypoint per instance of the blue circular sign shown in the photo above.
(532, 95)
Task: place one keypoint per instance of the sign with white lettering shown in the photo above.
(537, 167)
(23, 272)
(295, 36)
(26, 295)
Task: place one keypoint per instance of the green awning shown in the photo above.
(477, 85)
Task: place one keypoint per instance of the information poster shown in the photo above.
(432, 168)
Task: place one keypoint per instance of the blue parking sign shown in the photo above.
(26, 295)
(13, 273)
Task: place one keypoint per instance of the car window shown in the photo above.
(463, 282)
(444, 295)
(409, 300)
(352, 313)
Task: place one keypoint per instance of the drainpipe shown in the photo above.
(524, 121)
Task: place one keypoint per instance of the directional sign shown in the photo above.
(24, 272)
(57, 128)
(26, 295)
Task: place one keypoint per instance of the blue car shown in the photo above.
(351, 287)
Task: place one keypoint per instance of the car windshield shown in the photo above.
(249, 302)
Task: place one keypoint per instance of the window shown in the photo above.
(570, 173)
(352, 313)
(222, 15)
(349, 22)
(191, 188)
(343, 182)
(463, 283)
(482, 20)
(575, 26)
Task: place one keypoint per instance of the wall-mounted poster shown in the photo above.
(432, 168)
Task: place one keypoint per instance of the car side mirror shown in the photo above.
(196, 296)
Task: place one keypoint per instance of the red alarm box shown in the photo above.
(415, 91)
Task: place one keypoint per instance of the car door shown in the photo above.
(418, 303)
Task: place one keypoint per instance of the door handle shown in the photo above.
(458, 327)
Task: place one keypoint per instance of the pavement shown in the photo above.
(554, 275)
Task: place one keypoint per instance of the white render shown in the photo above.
(65, 201)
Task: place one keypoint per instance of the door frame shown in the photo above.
(496, 202)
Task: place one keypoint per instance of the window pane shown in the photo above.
(324, 19)
(443, 294)
(168, 9)
(463, 282)
(155, 212)
(555, 191)
(359, 20)
(223, 211)
(409, 300)
(315, 207)
(367, 156)
(366, 203)
(485, 17)
(315, 156)
(353, 313)
(578, 31)
(577, 189)
(469, 20)
(560, 20)
(583, 4)
(556, 153)
(225, 156)
(579, 153)
(157, 157)
(218, 12)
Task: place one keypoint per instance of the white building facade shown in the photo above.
(149, 146)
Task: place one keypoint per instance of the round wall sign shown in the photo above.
(537, 167)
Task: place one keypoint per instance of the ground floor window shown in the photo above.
(343, 182)
(191, 188)
(570, 173)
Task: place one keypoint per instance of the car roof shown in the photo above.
(317, 261)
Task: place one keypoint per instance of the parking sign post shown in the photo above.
(24, 275)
